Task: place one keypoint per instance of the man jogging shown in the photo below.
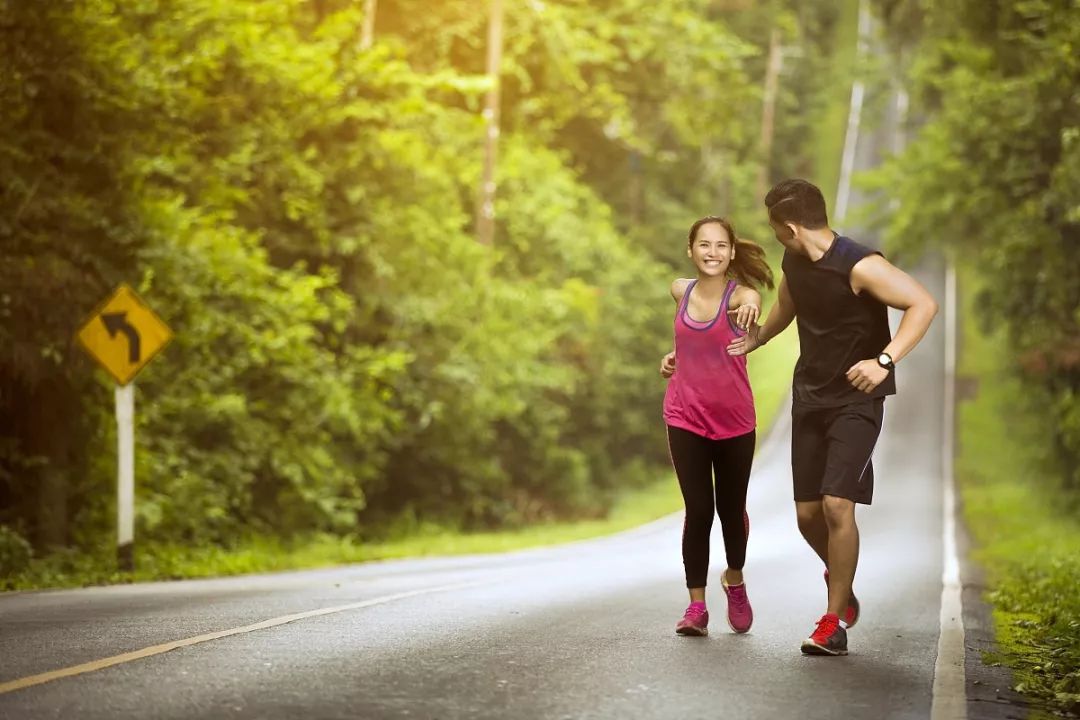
(838, 292)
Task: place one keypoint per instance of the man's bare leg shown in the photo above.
(843, 550)
(814, 529)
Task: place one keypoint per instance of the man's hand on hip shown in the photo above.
(866, 375)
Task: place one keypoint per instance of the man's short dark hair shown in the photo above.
(797, 201)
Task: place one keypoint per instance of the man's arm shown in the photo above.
(892, 286)
(780, 316)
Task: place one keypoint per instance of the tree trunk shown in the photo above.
(48, 434)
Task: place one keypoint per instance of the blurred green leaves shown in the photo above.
(992, 177)
(299, 210)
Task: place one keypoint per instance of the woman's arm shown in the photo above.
(780, 316)
(745, 306)
(678, 289)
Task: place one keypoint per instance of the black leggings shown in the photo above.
(696, 459)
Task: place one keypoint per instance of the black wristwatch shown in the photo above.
(885, 360)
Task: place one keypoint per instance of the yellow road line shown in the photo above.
(31, 680)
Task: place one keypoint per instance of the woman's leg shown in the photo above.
(691, 455)
(732, 460)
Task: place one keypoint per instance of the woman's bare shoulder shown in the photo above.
(745, 295)
(678, 288)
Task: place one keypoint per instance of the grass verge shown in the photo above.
(1027, 536)
(770, 373)
(268, 554)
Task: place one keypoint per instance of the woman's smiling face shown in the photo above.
(711, 250)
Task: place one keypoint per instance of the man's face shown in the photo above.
(784, 232)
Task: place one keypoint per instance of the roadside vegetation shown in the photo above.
(352, 371)
(1025, 527)
(991, 177)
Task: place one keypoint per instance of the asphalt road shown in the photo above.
(578, 631)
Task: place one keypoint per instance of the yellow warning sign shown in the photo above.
(124, 334)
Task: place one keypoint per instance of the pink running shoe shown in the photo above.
(851, 613)
(695, 621)
(740, 616)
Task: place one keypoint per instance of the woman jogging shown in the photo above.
(709, 410)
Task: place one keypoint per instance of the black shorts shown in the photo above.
(831, 449)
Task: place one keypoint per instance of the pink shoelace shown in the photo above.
(695, 611)
(737, 596)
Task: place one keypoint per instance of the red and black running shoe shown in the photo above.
(828, 638)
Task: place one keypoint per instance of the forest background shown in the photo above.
(294, 185)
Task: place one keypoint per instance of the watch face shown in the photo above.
(884, 360)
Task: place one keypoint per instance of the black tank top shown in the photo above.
(837, 328)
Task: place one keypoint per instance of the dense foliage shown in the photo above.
(993, 176)
(299, 208)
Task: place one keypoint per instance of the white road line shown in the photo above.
(949, 693)
(127, 657)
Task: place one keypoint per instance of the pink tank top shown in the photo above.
(709, 394)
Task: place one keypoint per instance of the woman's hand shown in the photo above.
(667, 365)
(745, 315)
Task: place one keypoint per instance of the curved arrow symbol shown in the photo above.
(117, 322)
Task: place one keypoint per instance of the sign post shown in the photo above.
(125, 480)
(123, 334)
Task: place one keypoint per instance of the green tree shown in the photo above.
(299, 209)
(992, 176)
